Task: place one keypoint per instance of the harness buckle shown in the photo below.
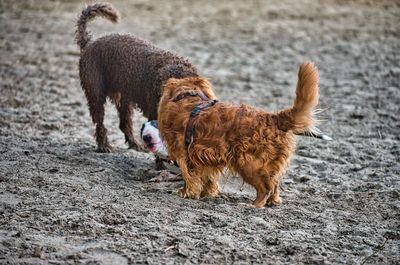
(195, 111)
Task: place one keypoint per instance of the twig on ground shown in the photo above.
(169, 248)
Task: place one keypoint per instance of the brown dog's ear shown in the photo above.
(205, 87)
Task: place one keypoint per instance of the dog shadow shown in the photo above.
(129, 165)
(122, 163)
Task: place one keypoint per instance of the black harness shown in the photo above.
(204, 105)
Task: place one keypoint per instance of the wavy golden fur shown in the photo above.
(249, 141)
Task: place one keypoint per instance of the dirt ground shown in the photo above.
(63, 203)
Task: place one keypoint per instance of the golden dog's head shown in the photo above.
(174, 87)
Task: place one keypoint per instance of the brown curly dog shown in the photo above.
(125, 69)
(205, 137)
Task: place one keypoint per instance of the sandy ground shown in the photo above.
(63, 203)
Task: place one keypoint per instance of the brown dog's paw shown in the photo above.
(136, 146)
(104, 149)
(159, 164)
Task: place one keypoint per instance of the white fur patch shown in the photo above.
(326, 138)
(157, 145)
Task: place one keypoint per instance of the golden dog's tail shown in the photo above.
(299, 118)
(82, 36)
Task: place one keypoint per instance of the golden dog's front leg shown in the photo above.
(211, 186)
(193, 186)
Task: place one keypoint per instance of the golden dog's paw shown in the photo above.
(180, 192)
(210, 194)
(244, 204)
(193, 195)
(185, 193)
(274, 201)
(257, 205)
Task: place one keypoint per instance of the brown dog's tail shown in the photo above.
(299, 118)
(82, 36)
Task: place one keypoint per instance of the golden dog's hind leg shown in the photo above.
(273, 185)
(267, 191)
(262, 195)
(193, 186)
(258, 182)
(253, 172)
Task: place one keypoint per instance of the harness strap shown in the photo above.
(189, 134)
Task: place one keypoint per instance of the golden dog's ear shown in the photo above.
(205, 87)
(172, 82)
(171, 87)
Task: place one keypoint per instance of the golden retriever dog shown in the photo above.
(205, 137)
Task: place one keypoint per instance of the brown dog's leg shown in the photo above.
(96, 101)
(101, 138)
(159, 164)
(125, 124)
(193, 186)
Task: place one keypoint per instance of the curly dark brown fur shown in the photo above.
(251, 142)
(126, 69)
(89, 13)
